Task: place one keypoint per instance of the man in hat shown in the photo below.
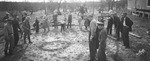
(117, 24)
(110, 24)
(6, 16)
(55, 20)
(24, 16)
(87, 22)
(16, 26)
(8, 34)
(92, 39)
(26, 29)
(126, 24)
(36, 25)
(69, 20)
(101, 43)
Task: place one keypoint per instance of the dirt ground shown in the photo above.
(72, 45)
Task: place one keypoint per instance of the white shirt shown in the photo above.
(124, 22)
(61, 19)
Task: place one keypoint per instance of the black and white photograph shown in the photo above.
(74, 30)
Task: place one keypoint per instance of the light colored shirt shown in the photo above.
(61, 19)
(124, 22)
(93, 26)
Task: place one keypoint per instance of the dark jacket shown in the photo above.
(110, 22)
(55, 18)
(16, 26)
(87, 22)
(70, 18)
(129, 23)
(117, 22)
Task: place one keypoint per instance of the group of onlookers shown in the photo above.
(15, 30)
(122, 27)
(98, 34)
(11, 28)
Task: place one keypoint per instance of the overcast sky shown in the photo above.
(49, 0)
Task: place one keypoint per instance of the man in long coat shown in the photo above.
(102, 36)
(16, 26)
(69, 20)
(8, 34)
(110, 24)
(36, 25)
(117, 24)
(126, 24)
(26, 29)
(92, 39)
(87, 22)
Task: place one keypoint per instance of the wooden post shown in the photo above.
(93, 7)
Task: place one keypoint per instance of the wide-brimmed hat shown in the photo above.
(100, 23)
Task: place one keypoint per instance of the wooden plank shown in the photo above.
(135, 35)
(130, 33)
(112, 37)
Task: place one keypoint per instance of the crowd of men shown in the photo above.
(95, 24)
(13, 28)
(98, 34)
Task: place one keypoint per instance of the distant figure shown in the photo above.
(82, 10)
(45, 24)
(69, 20)
(8, 34)
(55, 21)
(62, 20)
(117, 24)
(26, 29)
(24, 17)
(16, 26)
(110, 24)
(79, 21)
(36, 25)
(126, 24)
(87, 22)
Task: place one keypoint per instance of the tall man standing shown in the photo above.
(16, 26)
(8, 34)
(126, 27)
(26, 29)
(55, 20)
(69, 20)
(92, 38)
(117, 24)
(110, 24)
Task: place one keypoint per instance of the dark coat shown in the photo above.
(129, 23)
(70, 18)
(55, 18)
(117, 22)
(110, 22)
(16, 26)
(87, 22)
(102, 45)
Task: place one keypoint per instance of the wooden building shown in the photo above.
(140, 7)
